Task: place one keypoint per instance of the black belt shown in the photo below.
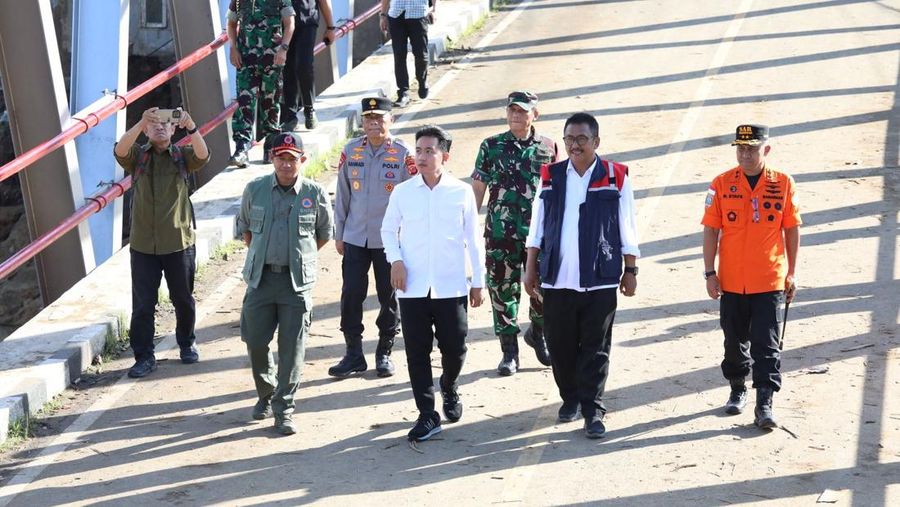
(274, 268)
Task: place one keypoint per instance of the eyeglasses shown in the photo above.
(754, 202)
(579, 140)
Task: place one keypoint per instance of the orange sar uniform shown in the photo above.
(752, 267)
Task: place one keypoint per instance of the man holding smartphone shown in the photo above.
(407, 22)
(162, 239)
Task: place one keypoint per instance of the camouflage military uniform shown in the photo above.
(511, 169)
(259, 33)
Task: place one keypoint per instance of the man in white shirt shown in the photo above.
(429, 229)
(583, 227)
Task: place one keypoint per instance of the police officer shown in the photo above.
(369, 169)
(509, 165)
(285, 219)
(752, 222)
(259, 32)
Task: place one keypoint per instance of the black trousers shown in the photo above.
(146, 273)
(355, 270)
(299, 76)
(578, 327)
(752, 327)
(416, 32)
(425, 319)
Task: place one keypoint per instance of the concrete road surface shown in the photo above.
(669, 82)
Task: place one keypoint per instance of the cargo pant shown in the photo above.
(504, 262)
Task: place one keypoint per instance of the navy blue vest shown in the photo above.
(599, 242)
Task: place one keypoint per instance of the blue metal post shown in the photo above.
(343, 10)
(100, 62)
(232, 83)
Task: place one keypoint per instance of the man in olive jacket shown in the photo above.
(162, 238)
(284, 219)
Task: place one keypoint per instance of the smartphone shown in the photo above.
(169, 115)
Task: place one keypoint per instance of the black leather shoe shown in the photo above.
(189, 354)
(142, 368)
(534, 338)
(285, 425)
(349, 364)
(594, 428)
(402, 100)
(423, 91)
(311, 121)
(262, 409)
(239, 159)
(569, 410)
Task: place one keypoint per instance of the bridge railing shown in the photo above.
(87, 119)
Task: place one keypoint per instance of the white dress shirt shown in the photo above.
(432, 230)
(569, 276)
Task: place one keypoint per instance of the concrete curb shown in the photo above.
(46, 355)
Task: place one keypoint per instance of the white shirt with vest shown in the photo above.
(576, 194)
(434, 231)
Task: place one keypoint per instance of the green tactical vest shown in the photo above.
(303, 255)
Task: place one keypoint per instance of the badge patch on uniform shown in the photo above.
(357, 185)
(771, 218)
(357, 157)
(732, 216)
(767, 205)
(710, 195)
(733, 189)
(354, 173)
(778, 206)
(389, 187)
(391, 159)
(390, 175)
(306, 202)
(343, 159)
(392, 151)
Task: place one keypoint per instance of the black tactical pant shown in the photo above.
(425, 319)
(299, 76)
(752, 327)
(146, 274)
(578, 326)
(355, 270)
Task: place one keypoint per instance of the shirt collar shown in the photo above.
(149, 146)
(297, 184)
(532, 136)
(589, 173)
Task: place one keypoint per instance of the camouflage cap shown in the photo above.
(525, 100)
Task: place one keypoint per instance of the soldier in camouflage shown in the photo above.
(509, 166)
(259, 32)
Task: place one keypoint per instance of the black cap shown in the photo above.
(752, 135)
(525, 100)
(376, 105)
(287, 141)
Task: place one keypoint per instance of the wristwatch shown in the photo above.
(192, 131)
(331, 28)
(708, 274)
(284, 46)
(631, 269)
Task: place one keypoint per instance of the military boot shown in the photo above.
(509, 344)
(765, 419)
(737, 400)
(534, 338)
(383, 364)
(353, 361)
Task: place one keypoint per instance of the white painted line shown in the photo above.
(673, 155)
(516, 489)
(74, 432)
(463, 64)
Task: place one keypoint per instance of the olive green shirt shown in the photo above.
(161, 212)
